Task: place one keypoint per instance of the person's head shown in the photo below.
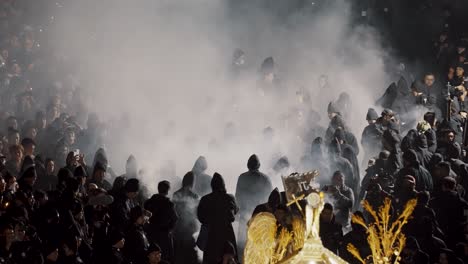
(13, 137)
(99, 172)
(217, 183)
(50, 166)
(448, 184)
(154, 254)
(132, 187)
(40, 121)
(450, 136)
(29, 146)
(410, 158)
(16, 152)
(387, 115)
(332, 110)
(253, 163)
(371, 116)
(326, 215)
(338, 179)
(71, 160)
(164, 187)
(29, 176)
(188, 180)
(69, 136)
(12, 122)
(429, 79)
(80, 174)
(460, 71)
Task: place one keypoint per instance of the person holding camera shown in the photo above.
(342, 197)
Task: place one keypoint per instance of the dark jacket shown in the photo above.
(217, 211)
(161, 224)
(136, 245)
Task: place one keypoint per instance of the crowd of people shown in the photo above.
(57, 208)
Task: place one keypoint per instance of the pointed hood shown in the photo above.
(101, 157)
(332, 108)
(253, 163)
(200, 165)
(131, 167)
(217, 183)
(372, 114)
(188, 180)
(274, 200)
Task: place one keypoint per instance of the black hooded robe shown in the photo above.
(202, 180)
(253, 188)
(217, 212)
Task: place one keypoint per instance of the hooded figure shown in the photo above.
(186, 203)
(348, 153)
(274, 200)
(253, 188)
(217, 212)
(371, 139)
(101, 157)
(338, 163)
(202, 180)
(316, 160)
(421, 148)
(411, 166)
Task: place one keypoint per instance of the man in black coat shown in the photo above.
(253, 188)
(186, 203)
(371, 139)
(163, 220)
(343, 198)
(217, 211)
(123, 203)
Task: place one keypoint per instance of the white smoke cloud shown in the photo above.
(158, 70)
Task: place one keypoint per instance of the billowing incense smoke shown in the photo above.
(159, 71)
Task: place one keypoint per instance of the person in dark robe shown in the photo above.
(217, 212)
(344, 104)
(421, 149)
(186, 202)
(330, 232)
(450, 211)
(343, 198)
(427, 127)
(405, 190)
(131, 171)
(337, 122)
(202, 180)
(348, 153)
(136, 242)
(411, 166)
(163, 220)
(269, 83)
(98, 177)
(391, 143)
(253, 187)
(274, 200)
(371, 139)
(316, 160)
(122, 204)
(101, 157)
